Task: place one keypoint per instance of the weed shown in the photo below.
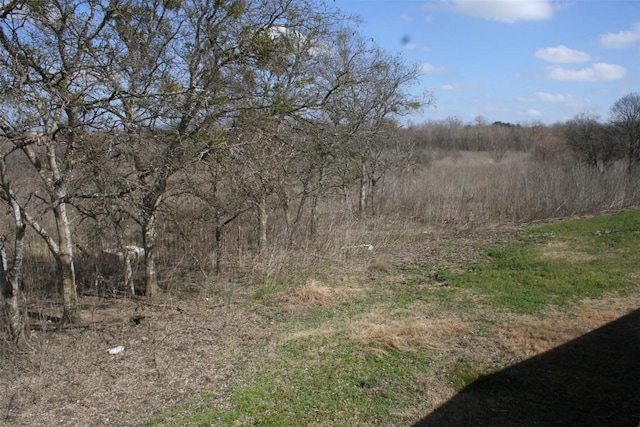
(267, 290)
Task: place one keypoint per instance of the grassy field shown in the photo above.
(392, 345)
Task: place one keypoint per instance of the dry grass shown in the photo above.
(191, 344)
(313, 293)
(470, 190)
(384, 332)
(327, 331)
(527, 336)
(562, 250)
(173, 351)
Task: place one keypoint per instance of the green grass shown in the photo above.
(267, 290)
(559, 264)
(344, 387)
(464, 372)
(330, 380)
(307, 385)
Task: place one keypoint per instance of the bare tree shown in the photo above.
(11, 273)
(168, 67)
(548, 144)
(50, 96)
(283, 95)
(590, 140)
(111, 101)
(372, 92)
(178, 75)
(625, 117)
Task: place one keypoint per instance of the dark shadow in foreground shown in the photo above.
(593, 380)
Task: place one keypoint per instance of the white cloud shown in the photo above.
(430, 68)
(567, 99)
(509, 11)
(562, 54)
(550, 97)
(449, 87)
(534, 113)
(597, 72)
(406, 17)
(621, 39)
(558, 98)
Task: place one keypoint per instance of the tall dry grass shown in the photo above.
(471, 188)
(459, 189)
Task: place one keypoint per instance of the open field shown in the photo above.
(372, 337)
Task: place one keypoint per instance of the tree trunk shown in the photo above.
(66, 265)
(10, 288)
(262, 223)
(149, 245)
(10, 278)
(62, 251)
(313, 226)
(362, 203)
(218, 246)
(128, 273)
(372, 195)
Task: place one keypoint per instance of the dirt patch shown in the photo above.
(173, 350)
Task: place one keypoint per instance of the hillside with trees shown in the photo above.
(118, 113)
(167, 148)
(194, 124)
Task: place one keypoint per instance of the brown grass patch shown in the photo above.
(380, 266)
(315, 294)
(407, 334)
(529, 337)
(562, 250)
(312, 293)
(600, 311)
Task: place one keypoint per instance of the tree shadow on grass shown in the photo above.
(593, 380)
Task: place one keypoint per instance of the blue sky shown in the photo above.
(515, 61)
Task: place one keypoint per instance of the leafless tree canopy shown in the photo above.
(117, 108)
